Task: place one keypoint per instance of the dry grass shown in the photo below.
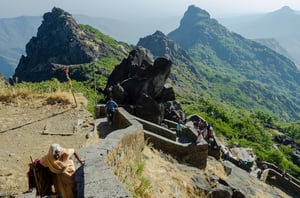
(65, 98)
(166, 179)
(10, 94)
(130, 168)
(15, 95)
(216, 168)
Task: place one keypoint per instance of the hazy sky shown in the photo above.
(140, 8)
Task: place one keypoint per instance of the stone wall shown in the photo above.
(190, 154)
(277, 177)
(193, 154)
(162, 131)
(109, 162)
(284, 183)
(112, 156)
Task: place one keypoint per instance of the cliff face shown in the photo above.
(59, 41)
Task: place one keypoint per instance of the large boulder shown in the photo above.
(140, 81)
(148, 109)
(173, 111)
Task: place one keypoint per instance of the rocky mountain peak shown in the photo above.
(194, 15)
(59, 41)
(57, 21)
(286, 10)
(196, 26)
(158, 33)
(285, 13)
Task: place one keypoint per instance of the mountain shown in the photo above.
(61, 42)
(211, 66)
(282, 25)
(14, 34)
(184, 72)
(232, 69)
(208, 61)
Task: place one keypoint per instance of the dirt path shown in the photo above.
(28, 128)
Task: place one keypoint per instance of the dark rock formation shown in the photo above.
(140, 81)
(221, 191)
(60, 42)
(148, 109)
(173, 111)
(296, 157)
(284, 139)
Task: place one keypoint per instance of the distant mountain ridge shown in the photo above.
(282, 25)
(199, 35)
(209, 61)
(233, 69)
(14, 34)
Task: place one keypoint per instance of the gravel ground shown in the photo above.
(27, 129)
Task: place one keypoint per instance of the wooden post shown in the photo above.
(66, 69)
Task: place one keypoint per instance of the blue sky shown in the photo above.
(138, 8)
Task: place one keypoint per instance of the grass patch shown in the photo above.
(52, 92)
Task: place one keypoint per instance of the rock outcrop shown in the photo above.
(60, 42)
(140, 82)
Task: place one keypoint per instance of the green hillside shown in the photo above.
(238, 71)
(236, 84)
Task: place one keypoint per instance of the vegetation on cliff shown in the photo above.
(246, 129)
